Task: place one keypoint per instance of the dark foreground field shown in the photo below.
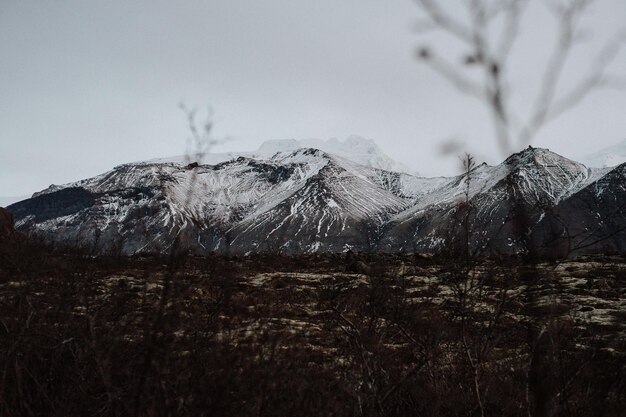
(349, 335)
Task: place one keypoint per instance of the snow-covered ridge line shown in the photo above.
(306, 200)
(354, 148)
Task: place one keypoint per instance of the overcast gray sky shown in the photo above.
(86, 85)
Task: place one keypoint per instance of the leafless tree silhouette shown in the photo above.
(489, 34)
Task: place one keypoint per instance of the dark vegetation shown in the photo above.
(341, 335)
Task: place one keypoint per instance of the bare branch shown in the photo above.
(451, 74)
(492, 69)
(424, 26)
(490, 54)
(445, 21)
(202, 139)
(568, 16)
(596, 78)
(511, 27)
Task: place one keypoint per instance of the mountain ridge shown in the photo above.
(355, 148)
(308, 200)
(610, 156)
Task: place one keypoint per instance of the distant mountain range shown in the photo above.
(294, 200)
(608, 157)
(354, 148)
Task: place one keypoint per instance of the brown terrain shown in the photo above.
(339, 335)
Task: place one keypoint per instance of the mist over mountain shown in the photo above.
(354, 148)
(607, 157)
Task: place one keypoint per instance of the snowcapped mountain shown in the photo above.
(503, 200)
(305, 200)
(607, 157)
(354, 148)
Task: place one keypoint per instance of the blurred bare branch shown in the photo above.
(490, 50)
(513, 11)
(201, 140)
(450, 73)
(568, 16)
(445, 21)
(594, 79)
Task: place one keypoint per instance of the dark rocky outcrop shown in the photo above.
(591, 221)
(56, 204)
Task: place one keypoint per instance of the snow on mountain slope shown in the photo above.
(607, 157)
(354, 148)
(304, 200)
(338, 208)
(161, 200)
(536, 174)
(541, 174)
(534, 179)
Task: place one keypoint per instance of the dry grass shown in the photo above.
(319, 335)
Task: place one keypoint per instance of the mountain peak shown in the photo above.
(306, 199)
(354, 148)
(541, 156)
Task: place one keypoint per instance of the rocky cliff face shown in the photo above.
(593, 219)
(307, 200)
